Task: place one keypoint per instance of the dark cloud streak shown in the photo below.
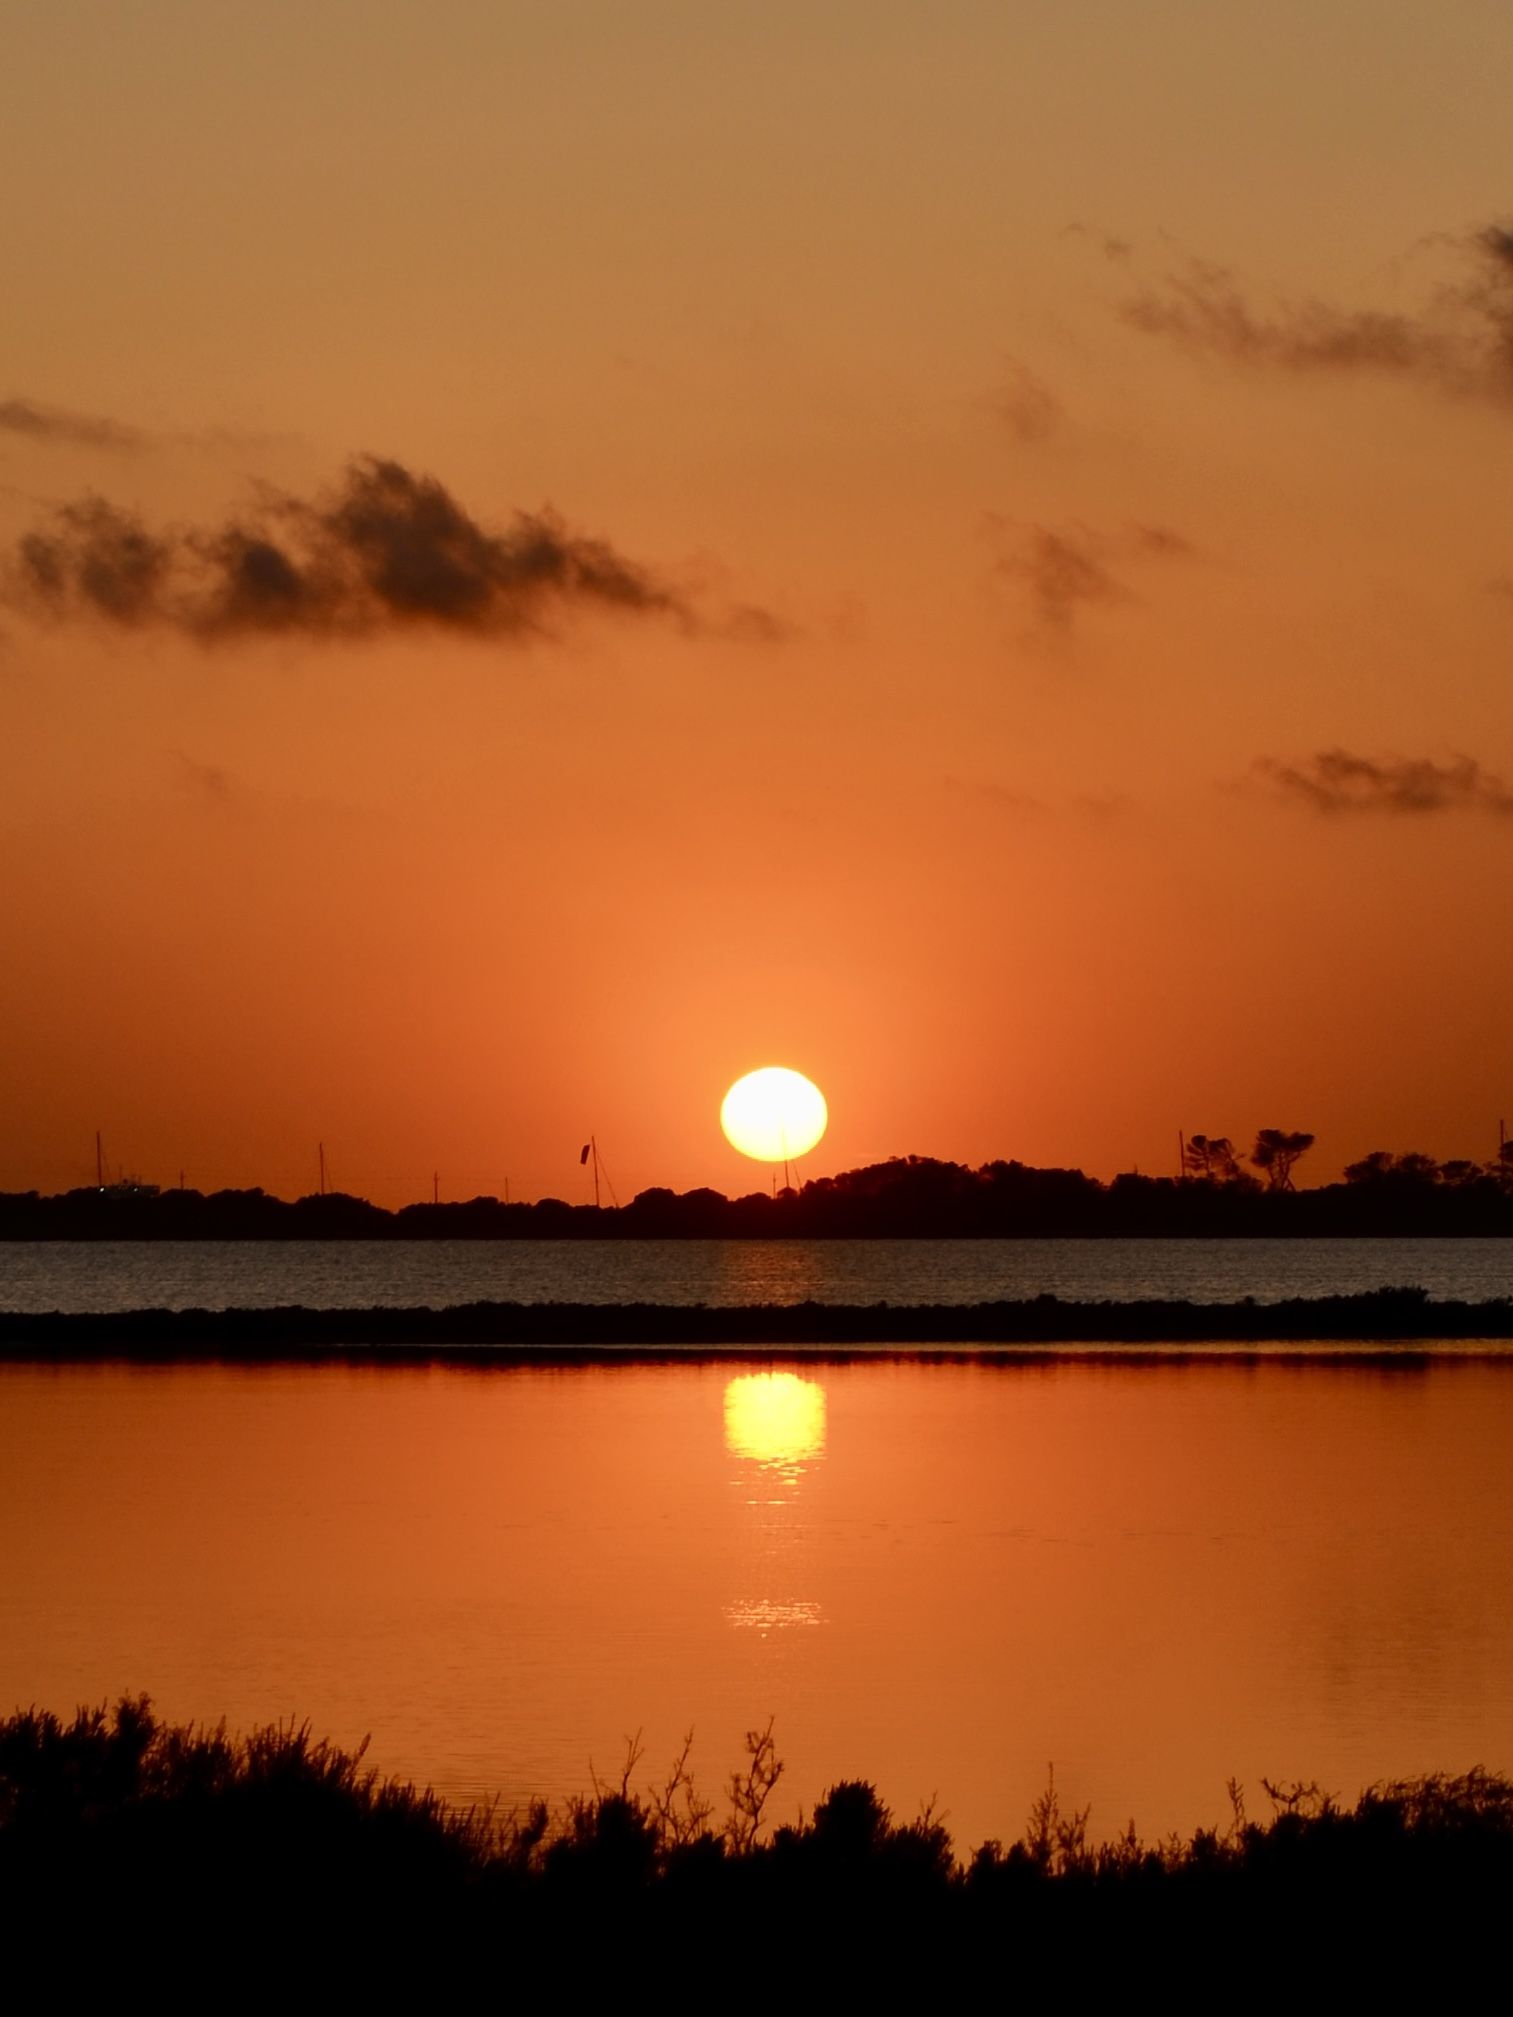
(55, 424)
(385, 550)
(1461, 342)
(100, 557)
(1336, 781)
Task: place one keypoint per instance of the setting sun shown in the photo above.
(774, 1114)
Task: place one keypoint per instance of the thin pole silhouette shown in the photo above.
(593, 1151)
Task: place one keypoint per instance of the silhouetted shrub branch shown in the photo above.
(117, 1817)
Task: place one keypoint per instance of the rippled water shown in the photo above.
(942, 1577)
(217, 1274)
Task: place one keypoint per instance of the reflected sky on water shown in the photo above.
(940, 1577)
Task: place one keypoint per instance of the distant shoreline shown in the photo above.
(905, 1198)
(536, 1333)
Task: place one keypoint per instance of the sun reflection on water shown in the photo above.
(776, 1420)
(763, 1615)
(775, 1427)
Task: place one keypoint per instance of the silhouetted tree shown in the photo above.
(1276, 1151)
(1212, 1160)
(905, 1197)
(1412, 1171)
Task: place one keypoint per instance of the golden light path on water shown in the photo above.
(775, 1419)
(775, 1428)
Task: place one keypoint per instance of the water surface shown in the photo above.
(939, 1576)
(327, 1274)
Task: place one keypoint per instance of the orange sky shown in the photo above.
(1028, 439)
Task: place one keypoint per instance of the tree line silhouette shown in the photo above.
(1219, 1194)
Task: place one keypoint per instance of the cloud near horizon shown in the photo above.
(1337, 781)
(1461, 342)
(383, 550)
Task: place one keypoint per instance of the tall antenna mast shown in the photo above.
(590, 1148)
(322, 1148)
(99, 1162)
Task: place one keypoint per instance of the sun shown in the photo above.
(774, 1114)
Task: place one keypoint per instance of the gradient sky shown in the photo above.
(1022, 631)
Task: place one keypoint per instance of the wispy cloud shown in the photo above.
(383, 550)
(211, 783)
(1096, 807)
(1337, 781)
(1026, 405)
(1461, 340)
(748, 623)
(36, 422)
(1108, 242)
(1066, 570)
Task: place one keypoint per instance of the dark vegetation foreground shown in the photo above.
(152, 1852)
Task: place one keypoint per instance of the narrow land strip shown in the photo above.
(1388, 1317)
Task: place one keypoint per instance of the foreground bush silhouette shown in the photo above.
(123, 1837)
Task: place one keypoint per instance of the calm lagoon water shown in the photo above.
(940, 1576)
(217, 1274)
